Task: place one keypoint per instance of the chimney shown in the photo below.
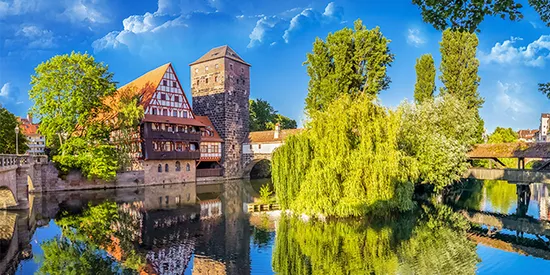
(29, 117)
(277, 131)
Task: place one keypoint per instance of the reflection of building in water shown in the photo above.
(540, 194)
(15, 233)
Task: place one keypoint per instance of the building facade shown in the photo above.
(220, 86)
(35, 141)
(543, 129)
(528, 135)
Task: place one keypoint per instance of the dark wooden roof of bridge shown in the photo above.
(511, 150)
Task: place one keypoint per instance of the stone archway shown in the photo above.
(7, 199)
(252, 162)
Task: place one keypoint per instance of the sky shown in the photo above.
(133, 37)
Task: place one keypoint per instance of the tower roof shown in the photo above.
(219, 52)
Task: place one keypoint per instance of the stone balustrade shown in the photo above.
(18, 160)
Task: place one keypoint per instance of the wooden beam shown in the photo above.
(499, 162)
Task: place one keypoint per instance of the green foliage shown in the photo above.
(69, 93)
(500, 194)
(438, 134)
(503, 135)
(346, 164)
(350, 61)
(266, 194)
(468, 14)
(8, 122)
(425, 79)
(436, 244)
(264, 117)
(63, 256)
(459, 70)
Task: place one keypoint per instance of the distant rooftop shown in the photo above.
(219, 52)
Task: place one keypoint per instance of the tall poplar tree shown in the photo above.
(425, 78)
(459, 67)
(350, 61)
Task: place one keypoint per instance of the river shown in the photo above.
(490, 227)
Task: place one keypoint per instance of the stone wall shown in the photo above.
(224, 99)
(153, 176)
(8, 189)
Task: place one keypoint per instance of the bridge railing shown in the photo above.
(18, 160)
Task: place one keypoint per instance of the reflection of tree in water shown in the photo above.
(435, 244)
(501, 195)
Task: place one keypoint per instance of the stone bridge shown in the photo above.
(250, 160)
(18, 175)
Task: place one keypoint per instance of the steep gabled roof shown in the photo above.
(219, 52)
(146, 85)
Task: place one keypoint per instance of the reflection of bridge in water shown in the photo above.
(167, 224)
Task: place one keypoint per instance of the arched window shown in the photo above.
(188, 167)
(166, 167)
(178, 166)
(160, 168)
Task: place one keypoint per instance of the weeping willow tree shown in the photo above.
(435, 242)
(347, 163)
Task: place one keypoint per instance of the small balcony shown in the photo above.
(148, 133)
(209, 172)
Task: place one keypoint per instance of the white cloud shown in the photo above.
(534, 54)
(334, 11)
(264, 25)
(510, 100)
(5, 90)
(78, 11)
(414, 37)
(37, 37)
(309, 17)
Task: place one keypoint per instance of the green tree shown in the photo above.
(350, 61)
(264, 117)
(468, 14)
(459, 70)
(438, 134)
(503, 135)
(425, 78)
(72, 97)
(8, 122)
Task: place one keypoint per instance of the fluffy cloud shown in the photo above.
(5, 90)
(291, 21)
(510, 99)
(414, 37)
(80, 11)
(36, 37)
(74, 11)
(534, 54)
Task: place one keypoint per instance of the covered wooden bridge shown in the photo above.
(522, 151)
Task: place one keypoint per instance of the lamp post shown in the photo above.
(17, 140)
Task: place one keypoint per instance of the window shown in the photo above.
(175, 113)
(206, 68)
(165, 112)
(231, 66)
(165, 83)
(185, 114)
(178, 198)
(216, 79)
(204, 148)
(167, 200)
(160, 200)
(162, 96)
(250, 146)
(197, 70)
(178, 166)
(174, 84)
(160, 168)
(188, 167)
(207, 80)
(177, 98)
(259, 146)
(197, 82)
(154, 111)
(180, 129)
(242, 70)
(233, 146)
(166, 167)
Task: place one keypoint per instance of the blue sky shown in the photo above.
(133, 37)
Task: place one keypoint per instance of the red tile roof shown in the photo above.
(527, 134)
(206, 121)
(269, 136)
(146, 84)
(28, 128)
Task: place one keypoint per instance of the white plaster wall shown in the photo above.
(264, 148)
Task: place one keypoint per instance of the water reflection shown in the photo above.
(204, 229)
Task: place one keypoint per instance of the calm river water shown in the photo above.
(489, 227)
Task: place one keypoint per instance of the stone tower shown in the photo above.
(220, 86)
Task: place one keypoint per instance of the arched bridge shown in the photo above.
(18, 173)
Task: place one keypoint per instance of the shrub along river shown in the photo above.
(490, 227)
